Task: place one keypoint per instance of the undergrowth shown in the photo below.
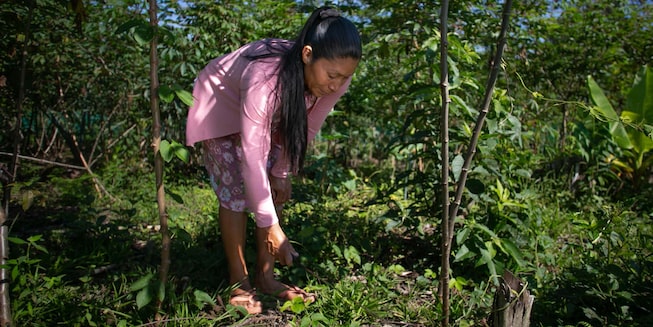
(79, 259)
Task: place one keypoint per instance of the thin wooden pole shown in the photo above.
(158, 160)
(444, 121)
(5, 301)
(450, 212)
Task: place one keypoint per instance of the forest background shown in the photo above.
(559, 191)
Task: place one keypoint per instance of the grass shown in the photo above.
(81, 260)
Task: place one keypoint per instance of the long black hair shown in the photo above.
(331, 36)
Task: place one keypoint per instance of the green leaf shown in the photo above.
(336, 250)
(486, 258)
(143, 34)
(462, 235)
(511, 249)
(639, 104)
(166, 94)
(141, 283)
(28, 200)
(40, 248)
(203, 297)
(129, 25)
(165, 150)
(166, 35)
(161, 290)
(319, 317)
(457, 166)
(606, 112)
(486, 230)
(641, 142)
(351, 254)
(181, 151)
(458, 283)
(286, 305)
(16, 240)
(397, 269)
(175, 196)
(185, 97)
(144, 297)
(469, 111)
(523, 173)
(463, 253)
(298, 305)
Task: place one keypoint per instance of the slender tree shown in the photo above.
(450, 212)
(158, 159)
(8, 178)
(444, 118)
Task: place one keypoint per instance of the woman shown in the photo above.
(254, 111)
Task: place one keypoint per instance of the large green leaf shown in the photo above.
(639, 105)
(639, 112)
(641, 144)
(606, 112)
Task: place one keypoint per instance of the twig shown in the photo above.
(44, 161)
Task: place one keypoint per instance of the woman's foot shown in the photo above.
(246, 299)
(285, 292)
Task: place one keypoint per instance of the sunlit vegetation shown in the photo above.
(560, 191)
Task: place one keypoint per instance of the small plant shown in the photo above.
(26, 272)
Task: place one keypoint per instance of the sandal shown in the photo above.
(247, 300)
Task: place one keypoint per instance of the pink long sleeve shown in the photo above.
(255, 136)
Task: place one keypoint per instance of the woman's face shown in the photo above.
(325, 76)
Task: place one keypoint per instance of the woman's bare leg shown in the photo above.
(233, 228)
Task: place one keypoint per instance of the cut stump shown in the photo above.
(512, 303)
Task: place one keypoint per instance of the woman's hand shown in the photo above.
(277, 244)
(281, 189)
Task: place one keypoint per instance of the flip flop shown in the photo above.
(247, 300)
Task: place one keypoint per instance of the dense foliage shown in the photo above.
(559, 192)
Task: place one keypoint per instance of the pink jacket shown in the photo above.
(232, 94)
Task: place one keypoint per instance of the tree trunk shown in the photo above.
(449, 218)
(512, 303)
(5, 304)
(158, 160)
(8, 177)
(443, 290)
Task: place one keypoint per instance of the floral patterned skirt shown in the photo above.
(222, 159)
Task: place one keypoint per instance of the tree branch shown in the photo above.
(489, 90)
